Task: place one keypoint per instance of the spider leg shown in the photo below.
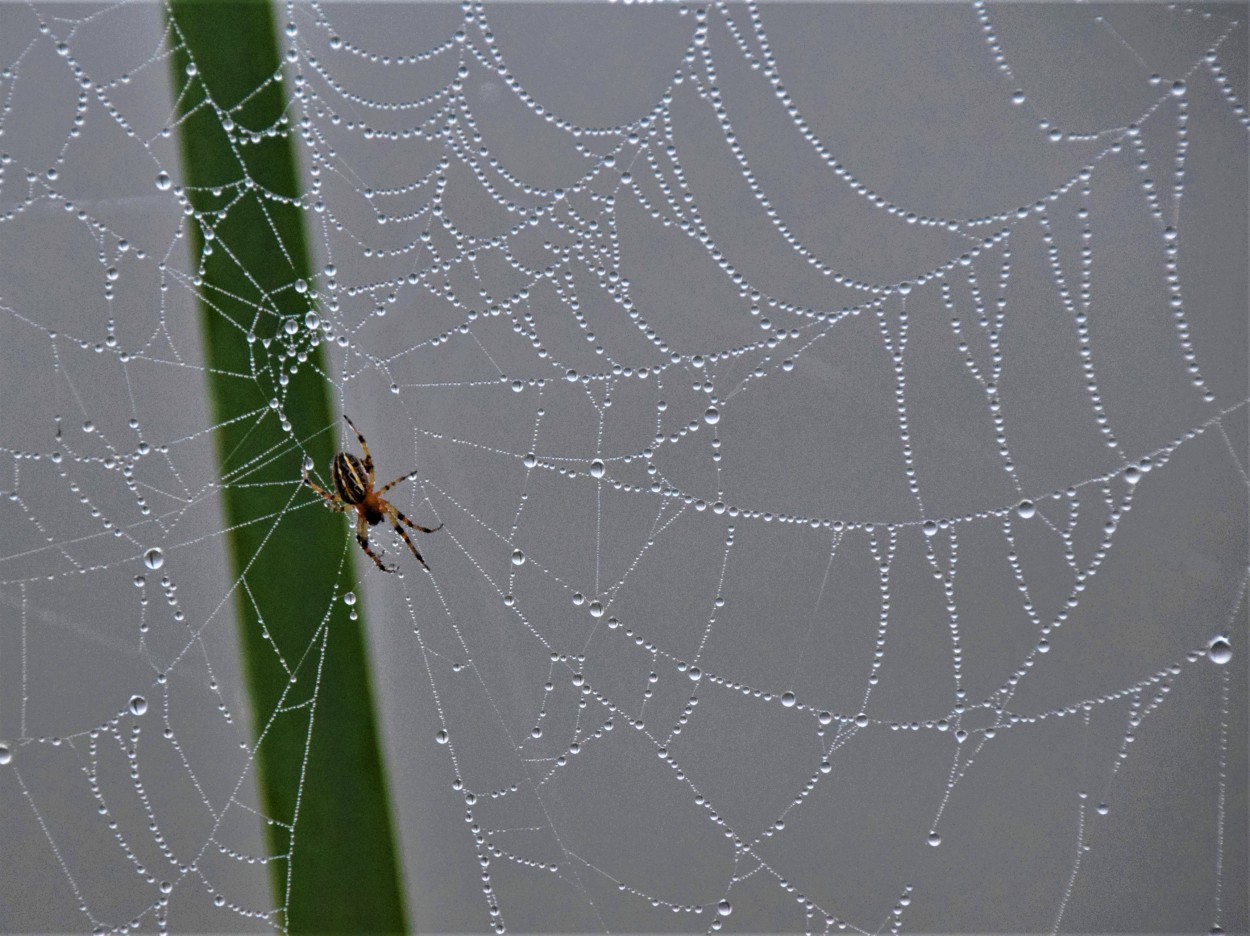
(392, 514)
(331, 501)
(415, 526)
(364, 446)
(362, 537)
(411, 474)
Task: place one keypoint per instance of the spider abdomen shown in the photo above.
(351, 481)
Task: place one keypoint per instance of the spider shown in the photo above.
(353, 489)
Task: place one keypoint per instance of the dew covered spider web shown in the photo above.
(838, 419)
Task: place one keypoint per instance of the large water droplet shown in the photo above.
(6, 755)
(518, 557)
(154, 558)
(138, 705)
(1025, 509)
(596, 468)
(1220, 651)
(724, 908)
(711, 416)
(934, 839)
(787, 699)
(163, 181)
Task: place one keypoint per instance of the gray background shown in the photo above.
(636, 831)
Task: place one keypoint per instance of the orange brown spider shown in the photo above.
(353, 489)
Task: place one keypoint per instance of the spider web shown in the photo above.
(838, 419)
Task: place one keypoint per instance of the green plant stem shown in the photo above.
(318, 758)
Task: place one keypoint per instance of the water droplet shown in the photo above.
(312, 321)
(1132, 474)
(140, 581)
(1025, 509)
(861, 720)
(596, 468)
(934, 839)
(530, 460)
(349, 598)
(154, 558)
(518, 386)
(163, 181)
(961, 736)
(711, 416)
(695, 674)
(825, 718)
(1220, 651)
(1178, 88)
(138, 705)
(724, 908)
(518, 557)
(441, 736)
(579, 599)
(308, 463)
(290, 326)
(787, 699)
(930, 528)
(536, 732)
(596, 609)
(6, 755)
(1103, 809)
